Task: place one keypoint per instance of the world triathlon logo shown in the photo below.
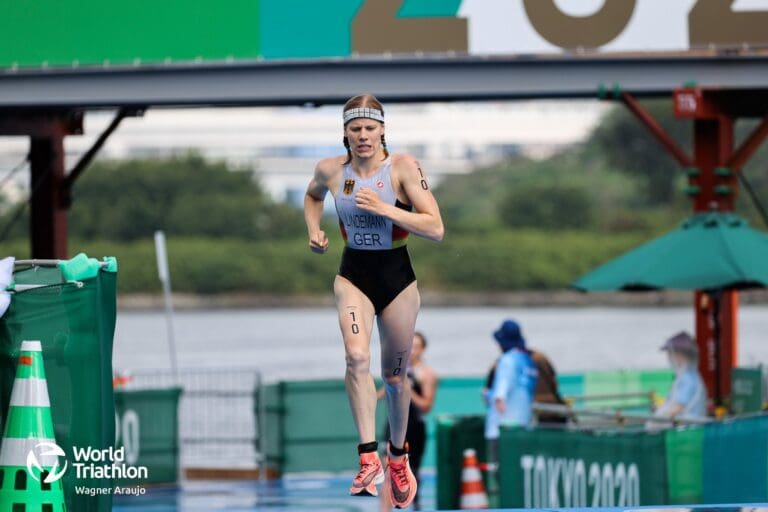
(46, 450)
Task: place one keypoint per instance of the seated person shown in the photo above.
(688, 395)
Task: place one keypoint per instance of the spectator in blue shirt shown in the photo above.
(510, 398)
(688, 396)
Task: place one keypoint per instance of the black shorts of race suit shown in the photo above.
(381, 275)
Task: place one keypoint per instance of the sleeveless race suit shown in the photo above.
(375, 257)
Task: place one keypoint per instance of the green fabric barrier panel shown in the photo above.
(272, 395)
(736, 461)
(454, 435)
(685, 459)
(551, 468)
(329, 400)
(148, 426)
(747, 390)
(75, 323)
(39, 276)
(314, 425)
(455, 396)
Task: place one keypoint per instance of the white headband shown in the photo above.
(370, 113)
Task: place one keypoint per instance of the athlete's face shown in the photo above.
(364, 136)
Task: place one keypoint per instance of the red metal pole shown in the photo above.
(48, 215)
(713, 147)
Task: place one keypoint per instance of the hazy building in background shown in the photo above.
(283, 144)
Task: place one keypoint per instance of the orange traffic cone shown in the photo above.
(473, 495)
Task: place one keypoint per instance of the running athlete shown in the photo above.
(380, 199)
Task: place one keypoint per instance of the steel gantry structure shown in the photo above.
(712, 88)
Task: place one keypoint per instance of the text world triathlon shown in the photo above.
(107, 463)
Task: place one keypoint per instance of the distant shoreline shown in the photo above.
(548, 298)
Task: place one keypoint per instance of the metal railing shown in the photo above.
(639, 399)
(617, 417)
(219, 424)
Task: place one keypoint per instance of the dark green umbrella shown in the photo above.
(709, 251)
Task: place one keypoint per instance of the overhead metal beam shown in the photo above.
(394, 79)
(36, 123)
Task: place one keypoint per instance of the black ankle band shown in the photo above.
(397, 452)
(367, 447)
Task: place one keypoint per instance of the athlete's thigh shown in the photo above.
(356, 314)
(397, 323)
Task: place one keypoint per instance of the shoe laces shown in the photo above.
(366, 467)
(399, 472)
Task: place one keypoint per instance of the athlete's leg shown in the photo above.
(397, 323)
(356, 322)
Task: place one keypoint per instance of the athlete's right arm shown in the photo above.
(313, 209)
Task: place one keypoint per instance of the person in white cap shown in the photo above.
(688, 395)
(380, 199)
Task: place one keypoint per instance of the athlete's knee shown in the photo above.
(358, 360)
(395, 381)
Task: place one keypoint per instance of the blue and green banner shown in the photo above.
(91, 33)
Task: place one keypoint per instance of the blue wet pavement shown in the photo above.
(321, 493)
(292, 494)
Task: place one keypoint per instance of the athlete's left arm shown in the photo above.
(425, 221)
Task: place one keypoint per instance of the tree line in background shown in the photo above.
(521, 224)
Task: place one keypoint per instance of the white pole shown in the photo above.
(165, 279)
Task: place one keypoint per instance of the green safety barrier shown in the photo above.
(747, 390)
(545, 468)
(685, 460)
(75, 323)
(309, 426)
(292, 446)
(147, 430)
(456, 396)
(550, 468)
(454, 435)
(736, 461)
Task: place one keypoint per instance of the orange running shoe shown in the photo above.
(371, 473)
(402, 481)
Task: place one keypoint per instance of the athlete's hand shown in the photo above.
(318, 242)
(368, 200)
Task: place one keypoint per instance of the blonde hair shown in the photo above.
(363, 101)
